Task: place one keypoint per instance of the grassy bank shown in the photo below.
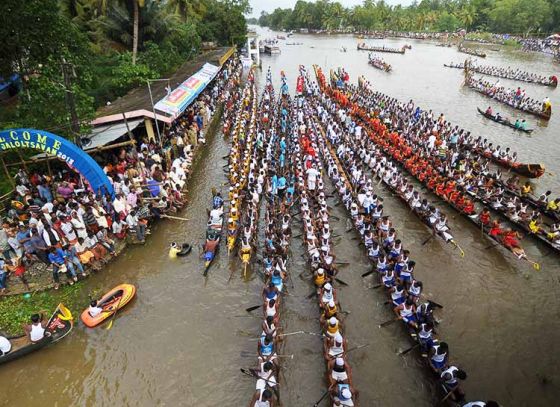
(16, 310)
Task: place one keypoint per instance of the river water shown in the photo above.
(179, 342)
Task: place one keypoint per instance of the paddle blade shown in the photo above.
(536, 266)
(252, 308)
(109, 325)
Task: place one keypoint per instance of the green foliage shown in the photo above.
(513, 16)
(520, 16)
(16, 310)
(126, 75)
(96, 39)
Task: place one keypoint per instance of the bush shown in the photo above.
(127, 76)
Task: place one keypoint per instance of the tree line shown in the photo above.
(107, 47)
(498, 16)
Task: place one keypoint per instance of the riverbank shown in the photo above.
(19, 302)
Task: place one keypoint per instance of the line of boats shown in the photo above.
(420, 167)
(321, 258)
(394, 268)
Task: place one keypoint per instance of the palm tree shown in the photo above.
(188, 8)
(467, 15)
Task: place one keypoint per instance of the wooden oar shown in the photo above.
(428, 239)
(389, 322)
(250, 309)
(247, 354)
(367, 273)
(404, 352)
(348, 351)
(322, 398)
(338, 280)
(375, 287)
(115, 313)
(435, 304)
(173, 217)
(449, 393)
(252, 373)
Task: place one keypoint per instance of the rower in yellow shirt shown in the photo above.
(553, 205)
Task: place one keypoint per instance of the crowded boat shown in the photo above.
(515, 98)
(471, 51)
(364, 47)
(379, 63)
(506, 73)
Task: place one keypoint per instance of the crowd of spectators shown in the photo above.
(56, 223)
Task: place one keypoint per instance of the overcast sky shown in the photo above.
(270, 5)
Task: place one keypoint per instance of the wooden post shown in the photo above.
(7, 172)
(22, 161)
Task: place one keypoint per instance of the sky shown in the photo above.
(270, 5)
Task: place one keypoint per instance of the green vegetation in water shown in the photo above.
(16, 310)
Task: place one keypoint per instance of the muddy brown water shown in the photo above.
(179, 342)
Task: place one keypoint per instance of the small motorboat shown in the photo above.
(111, 302)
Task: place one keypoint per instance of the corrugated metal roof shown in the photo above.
(103, 135)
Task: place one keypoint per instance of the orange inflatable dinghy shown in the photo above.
(115, 299)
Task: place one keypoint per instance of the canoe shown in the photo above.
(114, 300)
(541, 114)
(381, 49)
(503, 122)
(213, 233)
(59, 326)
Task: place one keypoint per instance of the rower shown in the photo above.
(450, 380)
(342, 394)
(36, 330)
(388, 278)
(425, 337)
(329, 310)
(262, 398)
(438, 355)
(333, 327)
(269, 326)
(270, 292)
(415, 290)
(407, 312)
(94, 310)
(334, 347)
(405, 275)
(267, 372)
(320, 279)
(266, 348)
(397, 295)
(327, 293)
(339, 371)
